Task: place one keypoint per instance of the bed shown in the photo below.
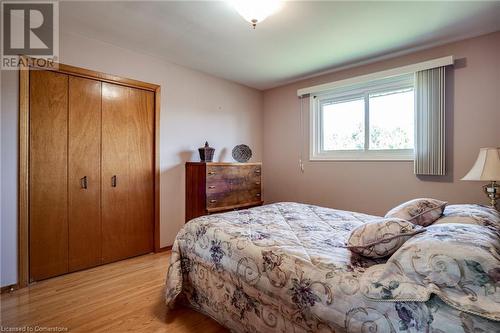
(284, 268)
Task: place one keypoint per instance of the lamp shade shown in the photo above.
(487, 166)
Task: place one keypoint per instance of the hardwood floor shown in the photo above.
(118, 297)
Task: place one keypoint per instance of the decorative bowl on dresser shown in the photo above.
(218, 187)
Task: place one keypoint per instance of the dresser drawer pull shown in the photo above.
(211, 173)
(257, 195)
(211, 187)
(213, 201)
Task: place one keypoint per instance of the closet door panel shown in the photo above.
(84, 178)
(116, 230)
(48, 204)
(128, 207)
(141, 164)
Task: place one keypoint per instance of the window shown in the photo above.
(369, 121)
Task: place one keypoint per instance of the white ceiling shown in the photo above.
(304, 38)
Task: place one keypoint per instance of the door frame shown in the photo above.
(26, 64)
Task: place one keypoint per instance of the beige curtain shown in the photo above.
(430, 122)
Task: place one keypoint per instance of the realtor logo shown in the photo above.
(29, 28)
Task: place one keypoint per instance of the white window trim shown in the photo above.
(433, 63)
(353, 91)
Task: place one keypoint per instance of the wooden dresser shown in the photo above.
(218, 187)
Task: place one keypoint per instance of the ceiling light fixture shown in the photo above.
(256, 11)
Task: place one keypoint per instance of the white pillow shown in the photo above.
(381, 238)
(470, 214)
(423, 211)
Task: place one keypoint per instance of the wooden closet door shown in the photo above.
(84, 173)
(127, 172)
(141, 169)
(48, 204)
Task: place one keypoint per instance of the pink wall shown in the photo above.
(473, 121)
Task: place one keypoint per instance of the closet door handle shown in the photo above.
(84, 182)
(113, 181)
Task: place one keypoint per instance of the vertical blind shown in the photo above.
(430, 122)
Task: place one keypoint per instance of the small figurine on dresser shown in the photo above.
(206, 153)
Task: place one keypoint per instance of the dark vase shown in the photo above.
(206, 153)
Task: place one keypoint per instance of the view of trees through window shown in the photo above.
(343, 125)
(390, 122)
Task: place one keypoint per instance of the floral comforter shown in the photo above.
(458, 262)
(283, 268)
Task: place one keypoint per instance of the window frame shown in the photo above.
(353, 92)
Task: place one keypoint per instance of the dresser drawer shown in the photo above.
(216, 173)
(237, 200)
(249, 195)
(233, 184)
(230, 171)
(222, 199)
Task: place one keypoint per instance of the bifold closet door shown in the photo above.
(84, 173)
(48, 194)
(127, 172)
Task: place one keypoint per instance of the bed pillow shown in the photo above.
(421, 211)
(470, 214)
(381, 238)
(460, 263)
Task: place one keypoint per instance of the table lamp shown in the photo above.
(487, 168)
